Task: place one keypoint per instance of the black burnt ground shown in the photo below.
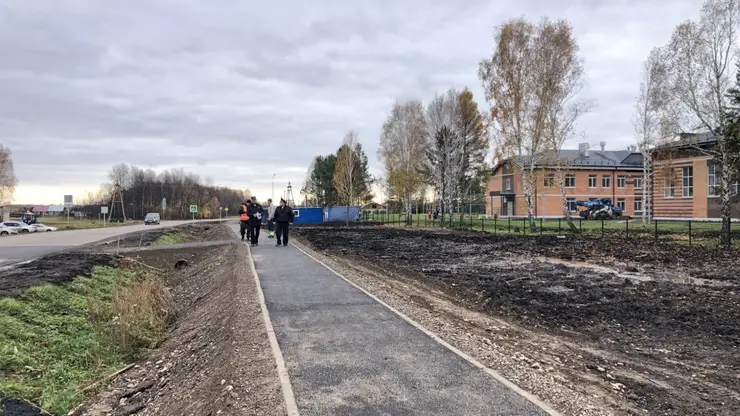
(683, 337)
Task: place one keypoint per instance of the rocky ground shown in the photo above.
(593, 327)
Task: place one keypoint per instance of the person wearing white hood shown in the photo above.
(270, 222)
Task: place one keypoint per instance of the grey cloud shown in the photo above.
(226, 88)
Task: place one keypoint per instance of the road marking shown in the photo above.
(511, 386)
(291, 408)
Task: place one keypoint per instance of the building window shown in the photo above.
(687, 185)
(638, 183)
(638, 205)
(621, 203)
(712, 183)
(507, 183)
(550, 181)
(570, 180)
(571, 204)
(606, 181)
(668, 188)
(592, 181)
(621, 181)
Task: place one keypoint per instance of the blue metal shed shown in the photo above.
(332, 214)
(308, 216)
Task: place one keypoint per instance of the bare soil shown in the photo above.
(184, 233)
(593, 327)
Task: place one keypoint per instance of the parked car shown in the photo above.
(6, 231)
(19, 226)
(43, 227)
(151, 218)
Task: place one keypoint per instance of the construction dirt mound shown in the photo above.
(654, 325)
(217, 359)
(52, 269)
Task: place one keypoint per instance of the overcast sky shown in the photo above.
(240, 90)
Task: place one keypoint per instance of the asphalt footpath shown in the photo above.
(347, 354)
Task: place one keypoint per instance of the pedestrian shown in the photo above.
(255, 212)
(283, 217)
(270, 222)
(243, 220)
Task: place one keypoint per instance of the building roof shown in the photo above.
(597, 159)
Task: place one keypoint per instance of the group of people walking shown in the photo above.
(279, 219)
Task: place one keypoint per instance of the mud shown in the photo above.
(652, 327)
(53, 269)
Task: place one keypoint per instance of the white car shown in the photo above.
(43, 228)
(20, 227)
(6, 231)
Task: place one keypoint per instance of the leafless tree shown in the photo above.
(402, 148)
(8, 180)
(699, 62)
(346, 171)
(651, 121)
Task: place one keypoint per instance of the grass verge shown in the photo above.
(56, 340)
(169, 239)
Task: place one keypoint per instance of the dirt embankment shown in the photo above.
(644, 327)
(189, 233)
(217, 359)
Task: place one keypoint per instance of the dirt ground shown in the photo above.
(185, 234)
(592, 327)
(217, 358)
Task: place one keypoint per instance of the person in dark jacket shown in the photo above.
(283, 218)
(255, 212)
(243, 220)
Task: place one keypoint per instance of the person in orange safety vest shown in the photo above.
(243, 220)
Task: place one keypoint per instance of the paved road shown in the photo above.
(28, 246)
(347, 354)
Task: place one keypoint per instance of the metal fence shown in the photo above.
(692, 232)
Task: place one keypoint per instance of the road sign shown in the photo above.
(164, 204)
(193, 209)
(103, 210)
(67, 200)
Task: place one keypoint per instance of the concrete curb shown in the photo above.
(291, 408)
(498, 377)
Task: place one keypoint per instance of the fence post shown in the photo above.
(627, 228)
(495, 224)
(509, 225)
(729, 233)
(689, 232)
(656, 230)
(524, 228)
(602, 228)
(471, 222)
(483, 224)
(540, 226)
(559, 228)
(580, 225)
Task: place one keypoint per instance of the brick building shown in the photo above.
(588, 174)
(687, 180)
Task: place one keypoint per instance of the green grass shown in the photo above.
(169, 239)
(56, 339)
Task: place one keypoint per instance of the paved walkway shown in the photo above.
(347, 354)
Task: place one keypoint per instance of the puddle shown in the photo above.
(636, 276)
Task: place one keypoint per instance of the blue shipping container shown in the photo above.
(308, 216)
(332, 214)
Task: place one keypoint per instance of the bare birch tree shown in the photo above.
(652, 126)
(8, 180)
(700, 57)
(403, 143)
(346, 172)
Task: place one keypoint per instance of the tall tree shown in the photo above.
(652, 126)
(559, 76)
(319, 183)
(363, 181)
(347, 170)
(699, 61)
(8, 180)
(510, 86)
(445, 163)
(402, 147)
(474, 143)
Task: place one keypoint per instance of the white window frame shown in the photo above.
(549, 180)
(606, 181)
(712, 184)
(571, 204)
(593, 181)
(621, 182)
(622, 203)
(508, 183)
(570, 176)
(687, 182)
(668, 186)
(638, 200)
(638, 179)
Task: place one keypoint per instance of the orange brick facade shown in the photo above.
(506, 192)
